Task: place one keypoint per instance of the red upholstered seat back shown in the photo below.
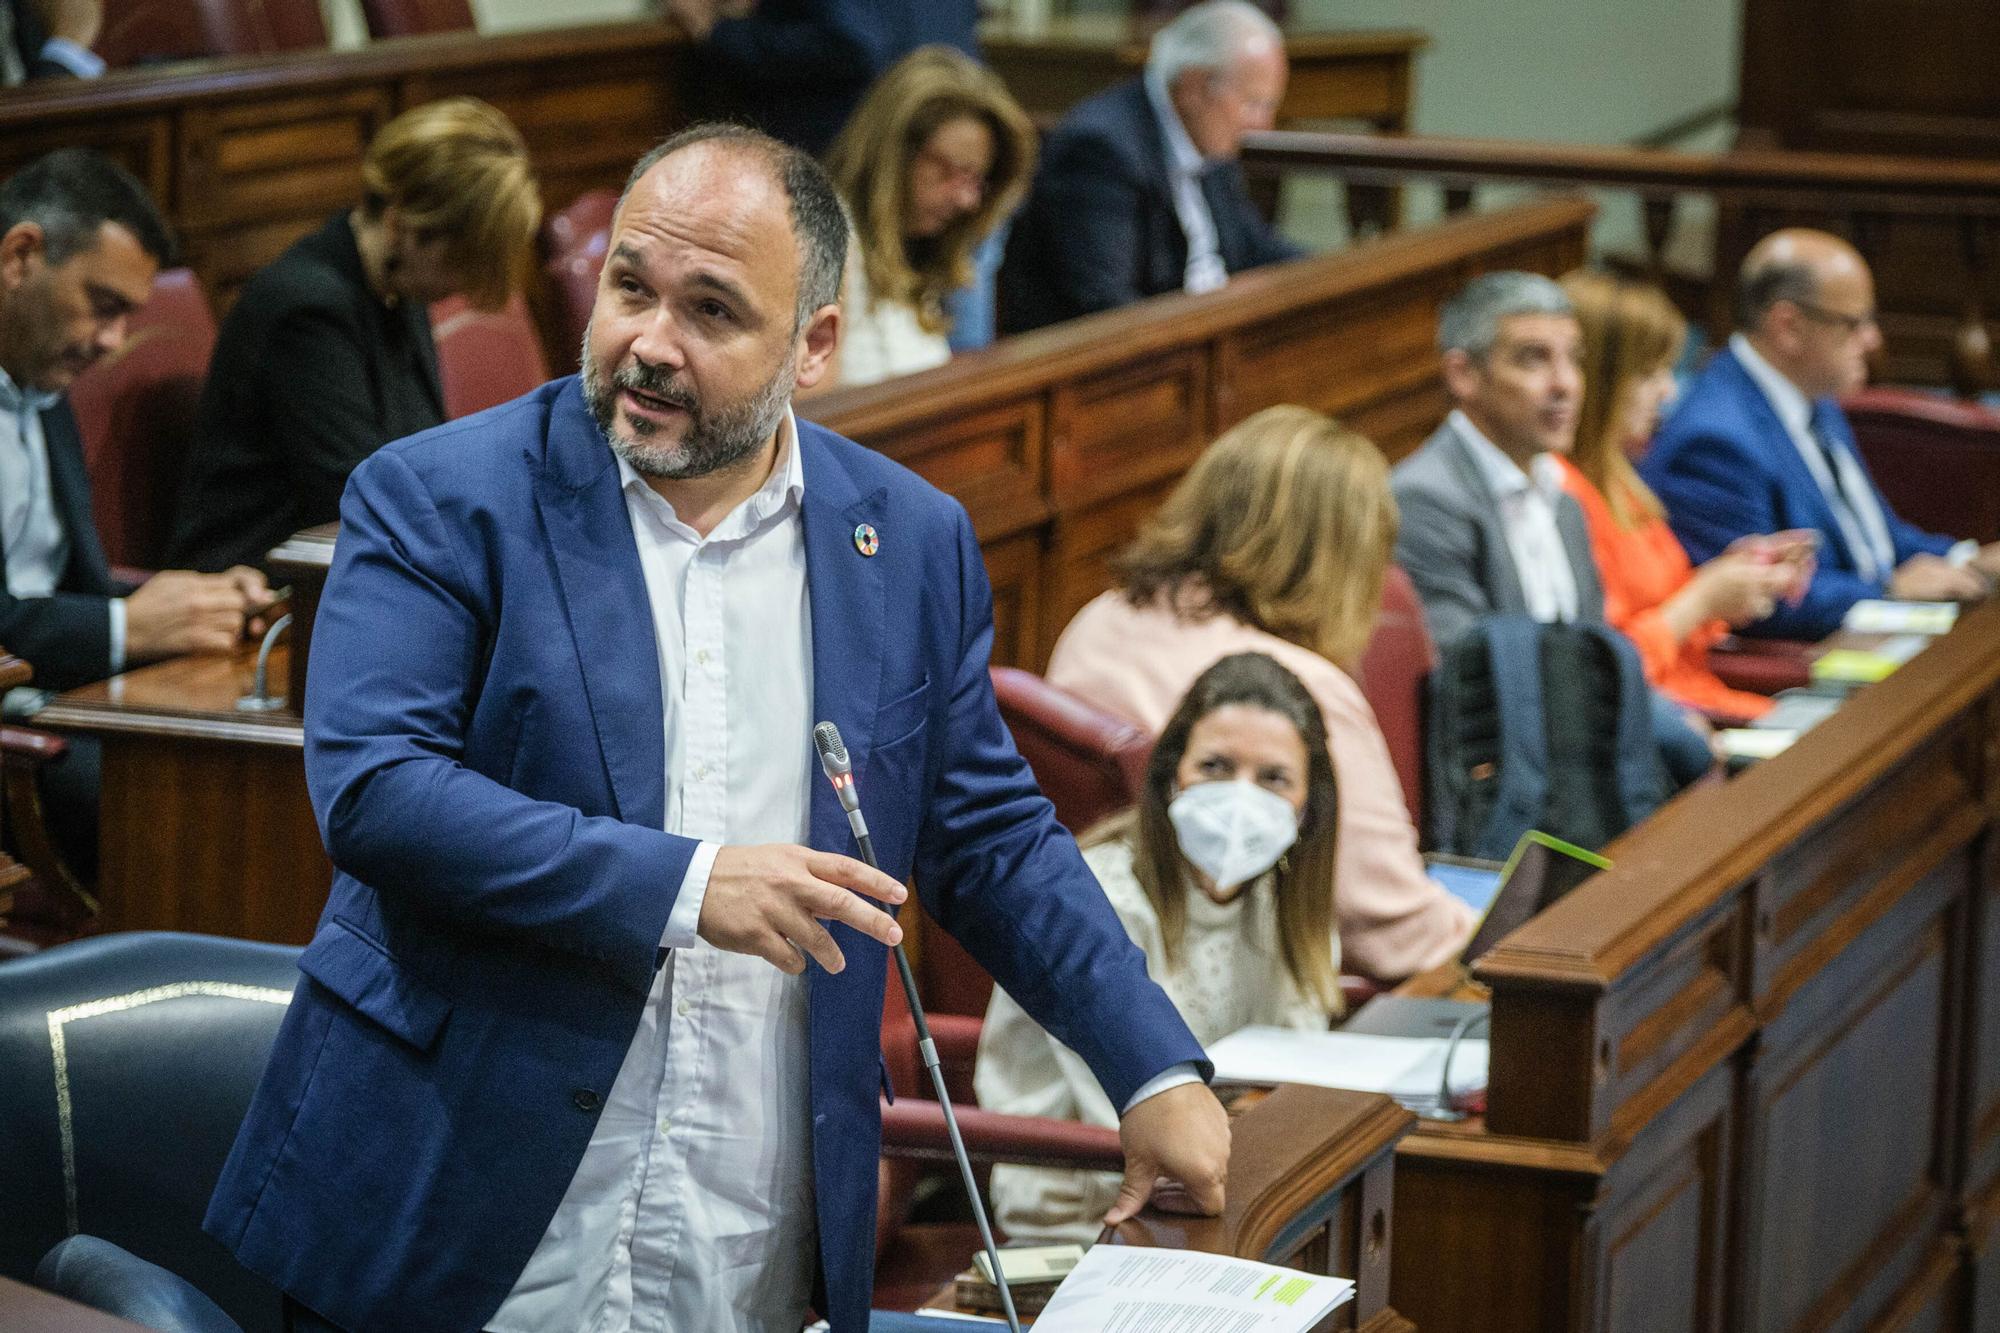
(136, 412)
(149, 31)
(1089, 764)
(485, 357)
(1937, 460)
(574, 241)
(1398, 659)
(404, 18)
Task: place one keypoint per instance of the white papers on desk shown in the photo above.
(1120, 1289)
(1409, 1069)
(1872, 615)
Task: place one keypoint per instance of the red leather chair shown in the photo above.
(1762, 666)
(485, 357)
(151, 31)
(1398, 659)
(407, 18)
(571, 229)
(1936, 459)
(136, 412)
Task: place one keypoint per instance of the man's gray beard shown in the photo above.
(713, 441)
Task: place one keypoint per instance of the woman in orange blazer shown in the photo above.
(1672, 611)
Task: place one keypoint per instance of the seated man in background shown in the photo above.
(49, 39)
(1759, 445)
(79, 244)
(797, 69)
(1139, 191)
(1487, 528)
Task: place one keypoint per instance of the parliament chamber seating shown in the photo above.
(1398, 659)
(126, 1064)
(136, 412)
(146, 32)
(409, 18)
(485, 357)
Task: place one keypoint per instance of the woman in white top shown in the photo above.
(1223, 876)
(934, 158)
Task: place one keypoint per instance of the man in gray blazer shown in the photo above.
(1487, 528)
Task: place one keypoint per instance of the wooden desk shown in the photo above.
(205, 825)
(1355, 76)
(1310, 1187)
(1750, 1077)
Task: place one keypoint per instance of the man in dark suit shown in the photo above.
(796, 69)
(1760, 444)
(590, 1031)
(49, 39)
(79, 244)
(1139, 191)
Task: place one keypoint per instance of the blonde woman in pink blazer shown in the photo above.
(1276, 542)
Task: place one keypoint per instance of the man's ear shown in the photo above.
(1461, 374)
(23, 243)
(817, 345)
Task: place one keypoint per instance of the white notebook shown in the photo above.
(1123, 1289)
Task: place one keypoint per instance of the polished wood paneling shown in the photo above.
(247, 153)
(1747, 1078)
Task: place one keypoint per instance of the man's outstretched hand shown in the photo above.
(1181, 1135)
(769, 901)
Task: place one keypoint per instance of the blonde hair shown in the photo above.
(1630, 331)
(871, 161)
(457, 168)
(1284, 523)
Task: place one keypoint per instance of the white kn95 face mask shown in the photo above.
(1233, 831)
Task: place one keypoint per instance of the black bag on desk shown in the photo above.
(1538, 726)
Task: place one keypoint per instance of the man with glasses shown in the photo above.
(1760, 444)
(1139, 191)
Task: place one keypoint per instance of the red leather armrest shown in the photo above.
(914, 1128)
(35, 747)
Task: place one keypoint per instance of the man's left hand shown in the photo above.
(1181, 1134)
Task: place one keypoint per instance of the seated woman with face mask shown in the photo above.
(1223, 876)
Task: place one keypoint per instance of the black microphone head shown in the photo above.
(832, 750)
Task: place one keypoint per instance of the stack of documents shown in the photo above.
(1873, 616)
(1863, 666)
(1120, 1289)
(1409, 1069)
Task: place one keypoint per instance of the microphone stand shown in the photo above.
(833, 757)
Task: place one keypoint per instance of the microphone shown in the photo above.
(839, 771)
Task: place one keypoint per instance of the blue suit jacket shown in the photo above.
(798, 68)
(486, 758)
(1725, 467)
(1099, 230)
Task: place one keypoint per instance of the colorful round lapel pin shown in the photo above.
(865, 540)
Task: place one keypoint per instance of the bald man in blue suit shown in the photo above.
(589, 1033)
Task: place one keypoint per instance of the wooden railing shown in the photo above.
(1930, 228)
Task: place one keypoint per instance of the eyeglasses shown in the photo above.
(1850, 323)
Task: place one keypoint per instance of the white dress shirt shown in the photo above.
(692, 1208)
(1857, 509)
(881, 339)
(1205, 271)
(31, 532)
(1527, 502)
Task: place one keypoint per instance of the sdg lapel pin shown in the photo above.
(865, 540)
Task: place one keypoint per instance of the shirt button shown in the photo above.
(665, 1125)
(701, 656)
(682, 1007)
(701, 773)
(585, 1099)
